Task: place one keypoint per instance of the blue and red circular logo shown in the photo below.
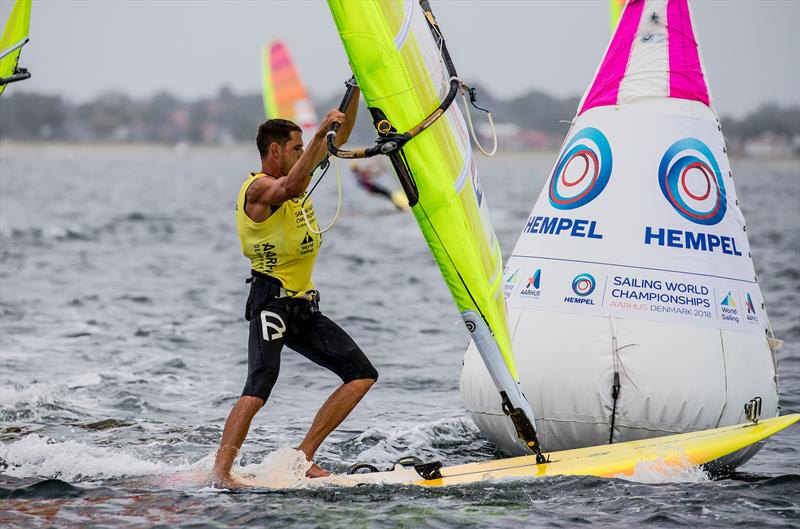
(691, 181)
(583, 284)
(582, 170)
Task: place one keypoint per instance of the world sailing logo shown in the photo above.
(307, 244)
(729, 301)
(512, 278)
(510, 283)
(582, 170)
(728, 309)
(691, 182)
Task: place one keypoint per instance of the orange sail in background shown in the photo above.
(284, 94)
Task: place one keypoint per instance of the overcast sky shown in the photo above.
(82, 48)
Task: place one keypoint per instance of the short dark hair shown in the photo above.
(274, 130)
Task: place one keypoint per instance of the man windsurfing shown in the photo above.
(283, 306)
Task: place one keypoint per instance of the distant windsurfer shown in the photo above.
(365, 174)
(283, 306)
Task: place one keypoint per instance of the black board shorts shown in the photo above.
(299, 324)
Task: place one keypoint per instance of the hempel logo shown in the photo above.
(691, 181)
(582, 170)
(582, 285)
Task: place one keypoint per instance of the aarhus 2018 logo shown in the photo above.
(532, 286)
(750, 307)
(582, 170)
(691, 181)
(583, 284)
(751, 315)
(533, 281)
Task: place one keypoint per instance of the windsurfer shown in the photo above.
(365, 174)
(283, 306)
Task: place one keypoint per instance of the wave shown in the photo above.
(38, 456)
(452, 440)
(13, 396)
(41, 489)
(150, 225)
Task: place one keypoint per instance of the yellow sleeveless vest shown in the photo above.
(282, 246)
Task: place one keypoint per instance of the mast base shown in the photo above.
(525, 430)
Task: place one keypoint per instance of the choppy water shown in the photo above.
(122, 349)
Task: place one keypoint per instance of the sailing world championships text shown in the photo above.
(676, 292)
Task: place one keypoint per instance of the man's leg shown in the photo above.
(330, 415)
(263, 365)
(236, 428)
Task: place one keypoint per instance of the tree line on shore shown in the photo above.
(535, 119)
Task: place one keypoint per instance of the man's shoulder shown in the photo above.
(256, 184)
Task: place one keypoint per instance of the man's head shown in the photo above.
(280, 141)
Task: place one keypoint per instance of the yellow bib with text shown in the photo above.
(282, 246)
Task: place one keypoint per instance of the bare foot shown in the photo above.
(316, 471)
(228, 481)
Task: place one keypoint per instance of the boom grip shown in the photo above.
(346, 99)
(348, 96)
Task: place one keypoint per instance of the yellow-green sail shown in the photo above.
(615, 8)
(400, 70)
(268, 92)
(15, 35)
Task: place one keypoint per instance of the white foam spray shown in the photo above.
(669, 470)
(34, 455)
(281, 469)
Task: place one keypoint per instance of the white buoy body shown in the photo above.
(635, 261)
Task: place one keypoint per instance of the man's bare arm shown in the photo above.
(267, 192)
(350, 113)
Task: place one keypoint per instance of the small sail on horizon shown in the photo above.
(14, 37)
(615, 8)
(284, 94)
(632, 279)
